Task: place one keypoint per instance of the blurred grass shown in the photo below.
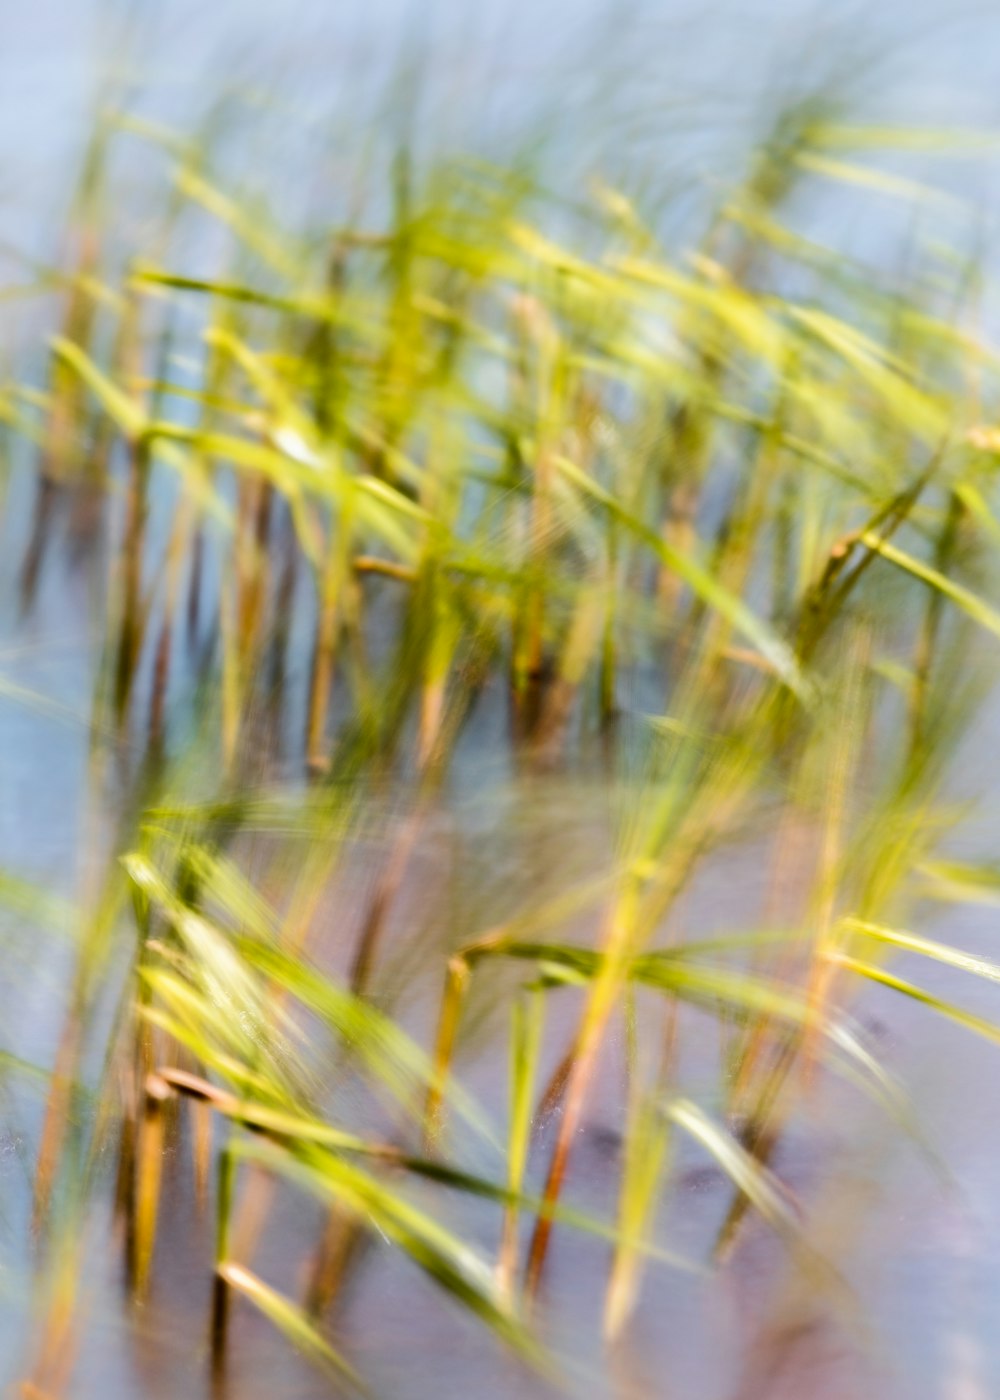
(713, 520)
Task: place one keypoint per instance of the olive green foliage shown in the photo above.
(713, 521)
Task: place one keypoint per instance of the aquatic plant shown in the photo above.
(714, 522)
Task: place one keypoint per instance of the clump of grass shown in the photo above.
(714, 519)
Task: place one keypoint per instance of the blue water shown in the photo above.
(653, 79)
